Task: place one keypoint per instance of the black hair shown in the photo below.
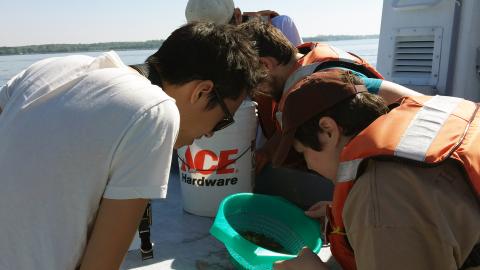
(205, 51)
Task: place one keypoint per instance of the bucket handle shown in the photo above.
(218, 168)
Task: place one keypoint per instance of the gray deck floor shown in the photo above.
(181, 240)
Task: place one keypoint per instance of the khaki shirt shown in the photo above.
(400, 216)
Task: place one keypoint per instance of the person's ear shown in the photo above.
(269, 62)
(331, 130)
(201, 91)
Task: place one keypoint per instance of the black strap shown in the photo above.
(146, 248)
(473, 259)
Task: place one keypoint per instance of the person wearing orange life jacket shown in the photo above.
(407, 181)
(286, 65)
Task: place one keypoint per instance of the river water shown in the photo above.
(12, 64)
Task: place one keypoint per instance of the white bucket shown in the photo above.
(213, 168)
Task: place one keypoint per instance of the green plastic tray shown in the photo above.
(271, 216)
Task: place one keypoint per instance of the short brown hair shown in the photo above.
(336, 93)
(269, 40)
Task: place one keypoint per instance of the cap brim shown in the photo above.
(284, 148)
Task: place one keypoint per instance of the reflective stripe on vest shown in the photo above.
(306, 70)
(347, 170)
(343, 55)
(299, 74)
(417, 138)
(424, 127)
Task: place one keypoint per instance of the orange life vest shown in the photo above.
(425, 129)
(317, 56)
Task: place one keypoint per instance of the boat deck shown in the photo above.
(182, 240)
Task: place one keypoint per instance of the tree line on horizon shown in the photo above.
(143, 45)
(93, 47)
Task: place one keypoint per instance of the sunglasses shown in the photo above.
(228, 119)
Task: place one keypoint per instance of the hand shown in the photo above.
(306, 260)
(318, 210)
(113, 231)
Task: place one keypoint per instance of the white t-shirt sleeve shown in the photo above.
(5, 91)
(4, 96)
(288, 28)
(15, 83)
(141, 164)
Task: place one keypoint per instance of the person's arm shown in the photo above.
(4, 97)
(394, 217)
(113, 231)
(391, 91)
(400, 248)
(5, 90)
(140, 169)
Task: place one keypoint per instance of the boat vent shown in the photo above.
(413, 57)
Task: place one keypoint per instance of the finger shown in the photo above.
(315, 215)
(319, 213)
(305, 251)
(318, 210)
(318, 205)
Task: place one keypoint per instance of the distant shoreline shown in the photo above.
(70, 48)
(143, 45)
(338, 37)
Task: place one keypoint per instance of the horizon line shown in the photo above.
(161, 40)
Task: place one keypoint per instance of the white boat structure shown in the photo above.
(432, 46)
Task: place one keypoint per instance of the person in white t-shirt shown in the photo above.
(224, 11)
(85, 142)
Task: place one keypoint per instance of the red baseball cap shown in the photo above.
(310, 96)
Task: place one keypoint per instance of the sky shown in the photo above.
(34, 22)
